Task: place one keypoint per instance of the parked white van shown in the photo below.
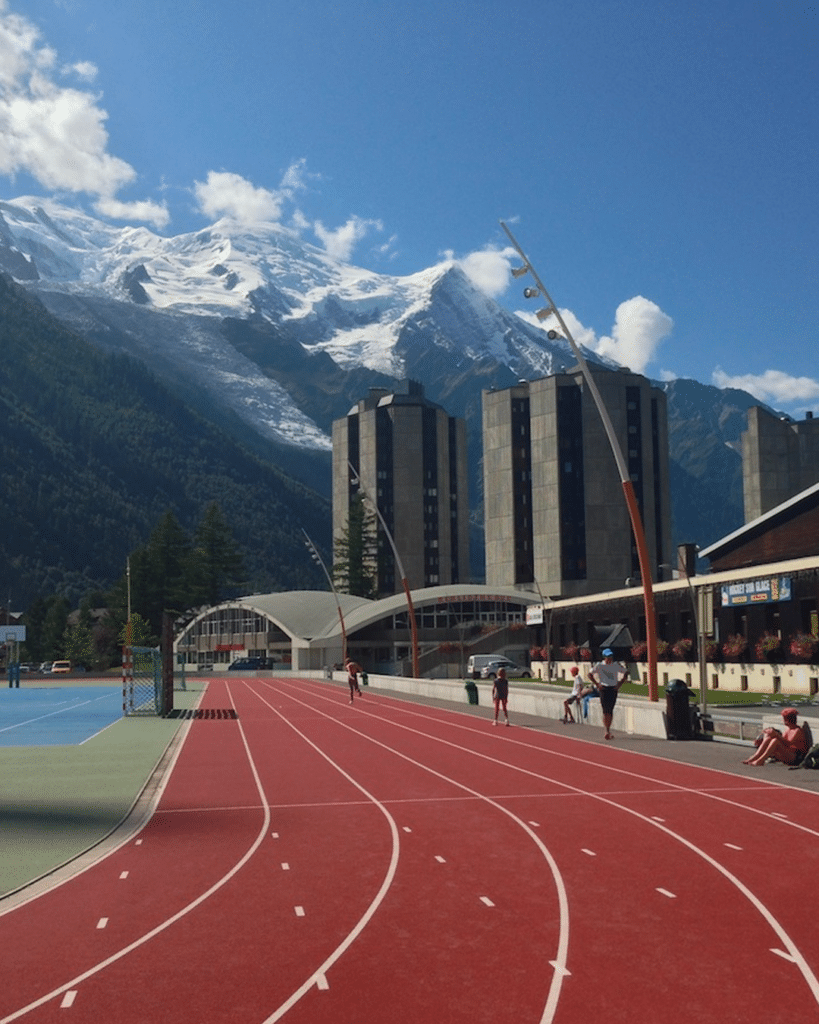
(485, 666)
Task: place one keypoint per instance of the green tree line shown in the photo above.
(175, 572)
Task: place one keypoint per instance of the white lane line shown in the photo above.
(322, 983)
(732, 846)
(665, 892)
(379, 897)
(102, 923)
(784, 955)
(779, 814)
(299, 911)
(560, 968)
(138, 842)
(589, 853)
(535, 824)
(440, 859)
(406, 828)
(123, 875)
(487, 901)
(274, 835)
(657, 819)
(768, 916)
(68, 1000)
(555, 985)
(285, 866)
(143, 939)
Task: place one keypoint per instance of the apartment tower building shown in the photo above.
(554, 508)
(411, 458)
(780, 459)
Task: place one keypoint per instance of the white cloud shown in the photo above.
(229, 195)
(50, 131)
(144, 210)
(296, 177)
(773, 387)
(639, 327)
(83, 69)
(341, 242)
(488, 269)
(226, 194)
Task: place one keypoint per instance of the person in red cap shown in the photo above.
(789, 747)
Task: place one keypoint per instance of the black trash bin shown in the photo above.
(365, 679)
(471, 691)
(677, 713)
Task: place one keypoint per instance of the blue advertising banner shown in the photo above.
(757, 591)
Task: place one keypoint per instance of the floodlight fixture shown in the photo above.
(519, 271)
(530, 293)
(622, 468)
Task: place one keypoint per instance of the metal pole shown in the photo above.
(317, 558)
(619, 458)
(399, 564)
(698, 603)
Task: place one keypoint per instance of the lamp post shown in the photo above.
(400, 566)
(311, 547)
(625, 478)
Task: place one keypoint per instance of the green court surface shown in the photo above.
(58, 801)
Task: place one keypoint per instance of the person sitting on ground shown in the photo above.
(789, 747)
(576, 695)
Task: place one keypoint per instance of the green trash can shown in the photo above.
(471, 691)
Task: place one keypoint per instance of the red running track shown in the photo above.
(313, 861)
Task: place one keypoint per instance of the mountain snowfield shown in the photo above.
(165, 300)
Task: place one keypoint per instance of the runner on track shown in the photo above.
(353, 668)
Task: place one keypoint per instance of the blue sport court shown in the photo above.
(57, 716)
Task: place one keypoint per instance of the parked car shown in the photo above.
(490, 671)
(60, 667)
(45, 666)
(250, 664)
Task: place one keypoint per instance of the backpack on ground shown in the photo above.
(811, 759)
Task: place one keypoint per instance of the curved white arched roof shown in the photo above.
(309, 615)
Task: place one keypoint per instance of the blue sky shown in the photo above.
(658, 163)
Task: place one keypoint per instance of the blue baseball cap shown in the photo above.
(608, 653)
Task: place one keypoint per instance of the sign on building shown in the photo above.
(778, 588)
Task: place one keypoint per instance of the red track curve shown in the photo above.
(312, 861)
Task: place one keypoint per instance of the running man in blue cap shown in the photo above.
(608, 676)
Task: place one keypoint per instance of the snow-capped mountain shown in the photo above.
(253, 320)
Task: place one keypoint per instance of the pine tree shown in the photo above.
(78, 645)
(140, 633)
(160, 572)
(216, 564)
(354, 570)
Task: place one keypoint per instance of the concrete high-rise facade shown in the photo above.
(554, 510)
(780, 459)
(411, 457)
